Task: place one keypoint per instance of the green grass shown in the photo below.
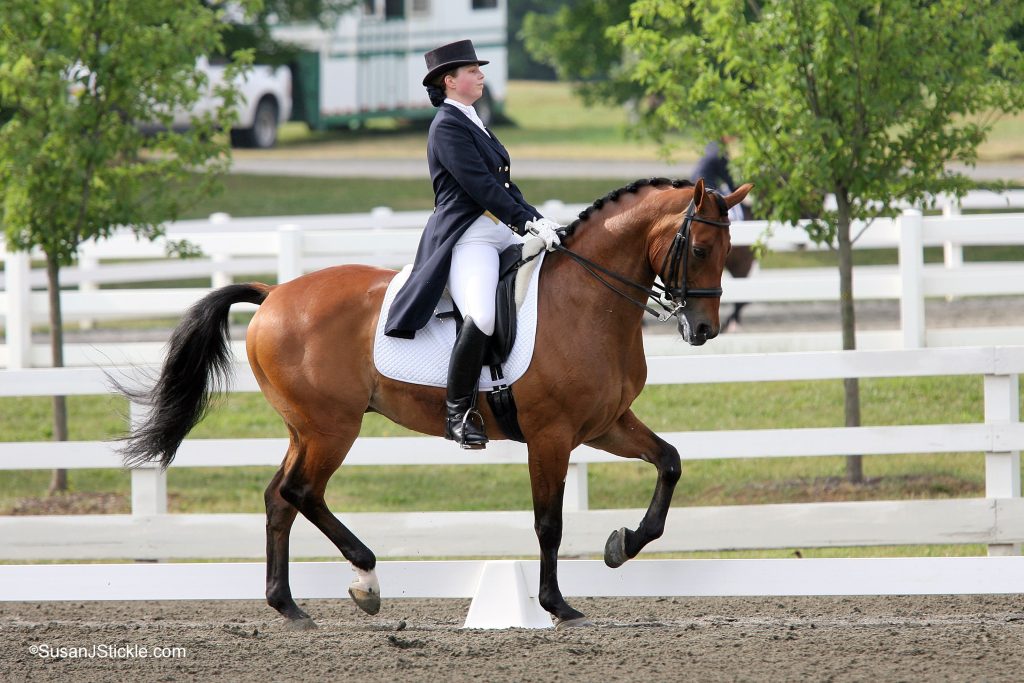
(254, 195)
(545, 121)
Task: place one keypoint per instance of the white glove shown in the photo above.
(545, 229)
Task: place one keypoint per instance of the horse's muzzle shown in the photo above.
(698, 333)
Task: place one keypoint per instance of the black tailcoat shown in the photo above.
(470, 173)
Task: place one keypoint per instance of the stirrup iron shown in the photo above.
(471, 413)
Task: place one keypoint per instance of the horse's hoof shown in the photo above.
(562, 624)
(615, 549)
(301, 624)
(367, 601)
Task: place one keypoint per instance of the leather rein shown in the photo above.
(674, 268)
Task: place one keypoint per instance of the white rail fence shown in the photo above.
(266, 246)
(505, 592)
(150, 532)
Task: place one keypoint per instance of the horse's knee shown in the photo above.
(669, 466)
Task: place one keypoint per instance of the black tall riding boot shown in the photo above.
(464, 424)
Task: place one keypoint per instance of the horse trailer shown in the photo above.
(370, 62)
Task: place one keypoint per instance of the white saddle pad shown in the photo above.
(424, 360)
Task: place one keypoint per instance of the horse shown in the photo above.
(739, 263)
(310, 347)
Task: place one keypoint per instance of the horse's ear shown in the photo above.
(698, 195)
(739, 195)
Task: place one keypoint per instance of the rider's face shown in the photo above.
(466, 85)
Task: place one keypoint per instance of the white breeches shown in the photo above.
(473, 279)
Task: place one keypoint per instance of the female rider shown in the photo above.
(476, 209)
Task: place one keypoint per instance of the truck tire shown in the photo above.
(263, 134)
(485, 108)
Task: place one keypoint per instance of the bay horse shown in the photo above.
(310, 346)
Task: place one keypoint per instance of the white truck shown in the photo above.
(265, 103)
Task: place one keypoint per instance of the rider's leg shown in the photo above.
(472, 281)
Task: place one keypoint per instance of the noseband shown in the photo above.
(674, 268)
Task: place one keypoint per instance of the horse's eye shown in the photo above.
(700, 252)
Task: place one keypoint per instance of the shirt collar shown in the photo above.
(468, 110)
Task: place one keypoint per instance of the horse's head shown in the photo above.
(688, 253)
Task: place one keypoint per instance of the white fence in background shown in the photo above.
(261, 246)
(151, 532)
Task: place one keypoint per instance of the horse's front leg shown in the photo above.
(548, 466)
(631, 438)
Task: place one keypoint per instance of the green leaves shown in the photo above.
(864, 98)
(78, 75)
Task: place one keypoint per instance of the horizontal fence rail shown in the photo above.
(149, 532)
(505, 593)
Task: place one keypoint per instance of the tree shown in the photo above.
(570, 38)
(865, 99)
(521, 62)
(76, 76)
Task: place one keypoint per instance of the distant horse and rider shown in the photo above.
(311, 348)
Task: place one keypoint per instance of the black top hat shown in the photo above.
(448, 57)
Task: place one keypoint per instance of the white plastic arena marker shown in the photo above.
(503, 599)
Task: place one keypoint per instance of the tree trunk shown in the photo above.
(851, 386)
(59, 479)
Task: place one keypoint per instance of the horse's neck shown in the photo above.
(619, 242)
(618, 247)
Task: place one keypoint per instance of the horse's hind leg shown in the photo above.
(303, 484)
(280, 515)
(631, 438)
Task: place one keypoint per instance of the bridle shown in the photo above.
(674, 268)
(677, 259)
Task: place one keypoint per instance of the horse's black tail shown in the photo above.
(197, 368)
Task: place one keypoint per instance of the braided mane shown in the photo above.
(612, 196)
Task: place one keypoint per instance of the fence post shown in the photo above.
(576, 492)
(18, 324)
(952, 252)
(1002, 468)
(289, 253)
(220, 278)
(149, 482)
(87, 261)
(555, 210)
(911, 254)
(381, 213)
